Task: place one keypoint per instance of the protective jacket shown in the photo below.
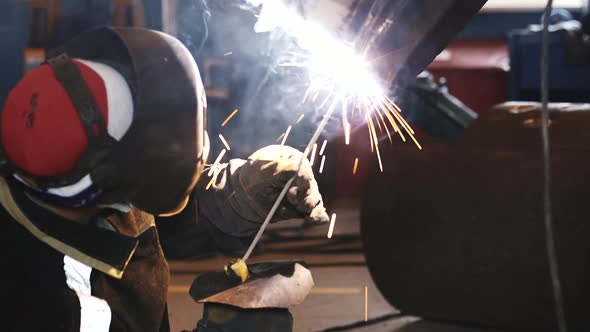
(121, 286)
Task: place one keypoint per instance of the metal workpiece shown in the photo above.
(455, 232)
(404, 36)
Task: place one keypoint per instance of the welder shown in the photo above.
(106, 135)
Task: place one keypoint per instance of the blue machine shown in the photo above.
(569, 63)
(13, 36)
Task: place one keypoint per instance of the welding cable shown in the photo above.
(549, 234)
(364, 323)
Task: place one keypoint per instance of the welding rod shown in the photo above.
(275, 206)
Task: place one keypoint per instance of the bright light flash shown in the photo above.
(336, 72)
(327, 58)
(350, 73)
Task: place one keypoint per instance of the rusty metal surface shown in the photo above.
(455, 232)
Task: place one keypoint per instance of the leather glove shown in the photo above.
(245, 190)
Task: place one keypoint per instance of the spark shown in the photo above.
(224, 142)
(379, 159)
(315, 97)
(347, 133)
(332, 222)
(392, 121)
(286, 135)
(356, 163)
(378, 125)
(229, 117)
(370, 127)
(375, 139)
(216, 163)
(300, 118)
(313, 152)
(378, 111)
(323, 147)
(228, 53)
(337, 73)
(306, 95)
(395, 110)
(213, 179)
(394, 105)
(210, 183)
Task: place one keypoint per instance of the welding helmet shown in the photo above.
(117, 115)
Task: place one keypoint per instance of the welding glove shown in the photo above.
(243, 191)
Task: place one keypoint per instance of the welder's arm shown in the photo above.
(244, 191)
(226, 216)
(191, 234)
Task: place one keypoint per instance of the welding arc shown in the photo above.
(275, 206)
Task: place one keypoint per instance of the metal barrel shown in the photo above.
(455, 232)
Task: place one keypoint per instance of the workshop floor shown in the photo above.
(338, 297)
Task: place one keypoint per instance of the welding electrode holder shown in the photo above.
(430, 107)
